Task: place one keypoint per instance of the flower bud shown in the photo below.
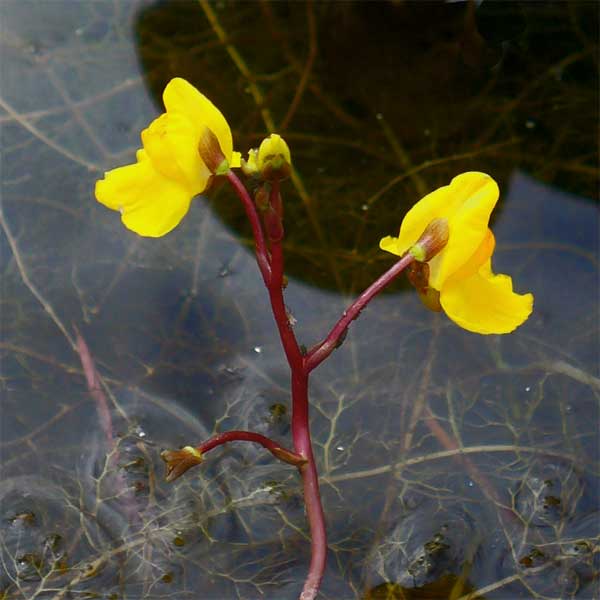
(179, 461)
(432, 241)
(273, 159)
(211, 154)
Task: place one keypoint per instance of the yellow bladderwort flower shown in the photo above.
(461, 272)
(182, 149)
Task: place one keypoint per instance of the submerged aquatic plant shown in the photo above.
(444, 244)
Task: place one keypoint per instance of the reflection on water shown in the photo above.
(181, 333)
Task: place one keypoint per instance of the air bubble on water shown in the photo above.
(528, 388)
(140, 432)
(364, 207)
(470, 483)
(340, 448)
(257, 349)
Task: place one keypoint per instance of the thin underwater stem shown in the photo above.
(321, 351)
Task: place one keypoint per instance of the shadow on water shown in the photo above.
(380, 103)
(401, 95)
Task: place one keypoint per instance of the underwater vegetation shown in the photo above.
(449, 464)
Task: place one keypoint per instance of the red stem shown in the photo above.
(249, 436)
(262, 256)
(275, 288)
(300, 413)
(300, 371)
(320, 352)
(310, 481)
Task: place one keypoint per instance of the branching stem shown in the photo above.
(272, 268)
(273, 447)
(321, 351)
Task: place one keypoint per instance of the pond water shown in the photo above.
(452, 465)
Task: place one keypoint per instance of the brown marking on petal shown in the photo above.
(432, 240)
(210, 150)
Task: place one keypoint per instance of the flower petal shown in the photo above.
(171, 143)
(115, 190)
(236, 160)
(479, 258)
(150, 204)
(478, 194)
(182, 97)
(485, 303)
(392, 244)
(467, 204)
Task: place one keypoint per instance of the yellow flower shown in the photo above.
(154, 194)
(469, 292)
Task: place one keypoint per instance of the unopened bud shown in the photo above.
(432, 241)
(273, 159)
(211, 154)
(179, 461)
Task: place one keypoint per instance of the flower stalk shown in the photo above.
(301, 365)
(179, 461)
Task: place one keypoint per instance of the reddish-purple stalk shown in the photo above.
(321, 351)
(262, 256)
(250, 436)
(271, 266)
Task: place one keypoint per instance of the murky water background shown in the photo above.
(380, 102)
